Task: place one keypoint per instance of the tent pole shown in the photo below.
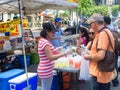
(76, 20)
(2, 16)
(23, 44)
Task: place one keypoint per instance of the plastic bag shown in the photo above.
(7, 45)
(84, 70)
(77, 62)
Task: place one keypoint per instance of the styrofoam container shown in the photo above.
(18, 52)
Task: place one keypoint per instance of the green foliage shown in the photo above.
(115, 10)
(88, 9)
(84, 5)
(67, 13)
(96, 9)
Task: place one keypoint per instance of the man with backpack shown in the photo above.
(81, 23)
(107, 23)
(101, 50)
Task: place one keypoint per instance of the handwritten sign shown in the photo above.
(12, 26)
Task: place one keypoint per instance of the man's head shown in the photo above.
(84, 20)
(107, 20)
(58, 22)
(96, 22)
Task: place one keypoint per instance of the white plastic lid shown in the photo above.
(22, 78)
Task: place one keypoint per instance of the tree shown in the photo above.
(88, 7)
(115, 9)
(84, 5)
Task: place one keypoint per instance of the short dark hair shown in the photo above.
(43, 34)
(107, 19)
(47, 27)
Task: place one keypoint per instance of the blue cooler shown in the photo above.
(20, 59)
(20, 82)
(55, 82)
(7, 75)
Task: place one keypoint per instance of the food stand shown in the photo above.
(70, 70)
(39, 5)
(67, 66)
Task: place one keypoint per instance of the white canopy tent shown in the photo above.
(34, 6)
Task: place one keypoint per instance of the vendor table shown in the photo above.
(68, 70)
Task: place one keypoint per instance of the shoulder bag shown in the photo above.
(108, 63)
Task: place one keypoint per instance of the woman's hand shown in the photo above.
(78, 41)
(78, 50)
(87, 57)
(58, 48)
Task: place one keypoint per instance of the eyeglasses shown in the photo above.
(91, 33)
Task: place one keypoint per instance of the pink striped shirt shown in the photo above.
(46, 66)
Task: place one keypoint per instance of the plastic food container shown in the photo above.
(18, 52)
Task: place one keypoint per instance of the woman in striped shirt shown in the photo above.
(47, 54)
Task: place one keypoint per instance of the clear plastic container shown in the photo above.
(70, 58)
(77, 62)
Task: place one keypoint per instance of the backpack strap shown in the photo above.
(102, 29)
(107, 36)
(109, 40)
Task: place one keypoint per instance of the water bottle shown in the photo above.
(65, 46)
(83, 49)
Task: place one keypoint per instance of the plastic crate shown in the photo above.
(7, 75)
(20, 59)
(20, 82)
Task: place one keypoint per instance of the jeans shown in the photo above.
(46, 83)
(99, 86)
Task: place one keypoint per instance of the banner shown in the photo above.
(12, 26)
(3, 27)
(25, 24)
(73, 1)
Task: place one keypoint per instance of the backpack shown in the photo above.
(116, 36)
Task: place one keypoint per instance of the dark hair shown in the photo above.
(43, 34)
(85, 33)
(47, 27)
(107, 19)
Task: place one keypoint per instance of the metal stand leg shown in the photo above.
(60, 80)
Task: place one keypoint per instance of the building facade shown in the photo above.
(103, 2)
